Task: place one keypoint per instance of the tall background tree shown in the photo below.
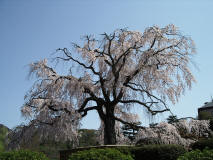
(12, 139)
(172, 119)
(130, 131)
(110, 75)
(3, 134)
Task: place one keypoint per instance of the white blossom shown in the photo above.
(113, 74)
(183, 132)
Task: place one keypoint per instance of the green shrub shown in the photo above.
(211, 124)
(146, 152)
(3, 133)
(158, 152)
(206, 154)
(88, 137)
(127, 150)
(202, 144)
(148, 141)
(100, 154)
(22, 155)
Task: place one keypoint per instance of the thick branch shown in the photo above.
(93, 96)
(86, 110)
(81, 108)
(106, 96)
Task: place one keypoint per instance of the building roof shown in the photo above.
(207, 104)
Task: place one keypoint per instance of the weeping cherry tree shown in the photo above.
(115, 72)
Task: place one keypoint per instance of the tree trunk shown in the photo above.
(109, 131)
(109, 124)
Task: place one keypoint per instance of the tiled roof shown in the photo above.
(207, 104)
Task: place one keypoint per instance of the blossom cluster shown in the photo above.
(183, 132)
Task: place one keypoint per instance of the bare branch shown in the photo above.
(130, 124)
(69, 57)
(153, 112)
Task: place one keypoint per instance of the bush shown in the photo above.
(3, 133)
(100, 154)
(22, 155)
(202, 144)
(127, 150)
(197, 155)
(146, 152)
(158, 152)
(211, 124)
(147, 141)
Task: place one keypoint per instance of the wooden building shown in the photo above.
(206, 111)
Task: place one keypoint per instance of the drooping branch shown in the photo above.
(125, 67)
(165, 48)
(52, 108)
(110, 39)
(148, 93)
(91, 67)
(145, 91)
(69, 57)
(128, 123)
(116, 73)
(153, 112)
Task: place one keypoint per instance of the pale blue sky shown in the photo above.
(31, 30)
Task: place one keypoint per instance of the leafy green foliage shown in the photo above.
(146, 152)
(51, 148)
(152, 125)
(88, 137)
(147, 141)
(22, 155)
(100, 154)
(3, 133)
(211, 124)
(202, 144)
(130, 131)
(128, 150)
(206, 154)
(158, 152)
(172, 119)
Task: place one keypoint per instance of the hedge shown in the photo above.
(22, 155)
(158, 152)
(100, 154)
(202, 144)
(206, 154)
(146, 152)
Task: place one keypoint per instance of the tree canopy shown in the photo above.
(110, 74)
